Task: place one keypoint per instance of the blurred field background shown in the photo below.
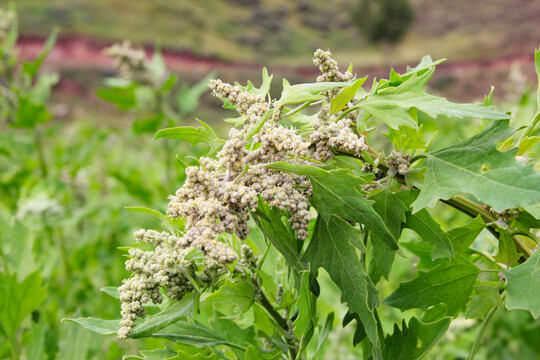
(67, 222)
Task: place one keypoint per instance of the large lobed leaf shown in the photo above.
(331, 248)
(414, 340)
(337, 192)
(450, 283)
(397, 106)
(523, 286)
(475, 166)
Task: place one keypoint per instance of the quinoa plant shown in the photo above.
(337, 177)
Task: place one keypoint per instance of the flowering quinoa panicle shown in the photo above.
(218, 195)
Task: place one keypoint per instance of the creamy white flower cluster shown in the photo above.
(252, 106)
(339, 134)
(329, 68)
(6, 21)
(163, 267)
(398, 163)
(130, 62)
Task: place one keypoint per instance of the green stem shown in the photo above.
(480, 335)
(15, 348)
(38, 142)
(531, 127)
(263, 300)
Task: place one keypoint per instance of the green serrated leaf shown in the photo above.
(182, 355)
(427, 228)
(279, 234)
(450, 283)
(414, 340)
(324, 331)
(100, 326)
(202, 134)
(237, 294)
(18, 300)
(111, 291)
(475, 166)
(523, 286)
(462, 237)
(167, 222)
(397, 106)
(157, 354)
(527, 144)
(171, 314)
(252, 353)
(339, 102)
(194, 334)
(392, 211)
(337, 192)
(484, 298)
(304, 324)
(507, 250)
(430, 231)
(331, 249)
(306, 92)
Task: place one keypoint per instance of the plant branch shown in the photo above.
(263, 300)
(460, 203)
(480, 335)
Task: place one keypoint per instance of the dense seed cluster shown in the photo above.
(130, 62)
(6, 21)
(330, 134)
(329, 68)
(219, 194)
(398, 163)
(163, 267)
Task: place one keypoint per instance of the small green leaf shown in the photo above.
(182, 355)
(507, 250)
(111, 291)
(123, 97)
(397, 106)
(527, 144)
(414, 340)
(100, 326)
(193, 334)
(476, 167)
(450, 283)
(18, 300)
(157, 354)
(279, 234)
(484, 298)
(169, 315)
(31, 68)
(299, 169)
(324, 331)
(252, 353)
(167, 221)
(392, 211)
(523, 286)
(202, 134)
(347, 94)
(462, 237)
(237, 294)
(148, 125)
(306, 92)
(430, 231)
(307, 315)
